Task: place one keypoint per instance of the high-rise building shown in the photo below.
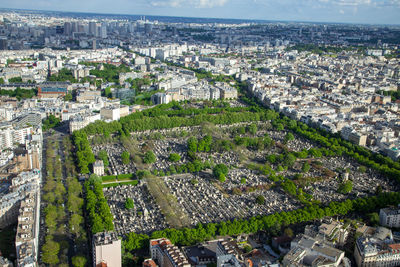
(67, 28)
(74, 27)
(3, 43)
(81, 28)
(148, 28)
(103, 31)
(92, 28)
(94, 44)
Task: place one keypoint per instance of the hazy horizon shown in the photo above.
(328, 11)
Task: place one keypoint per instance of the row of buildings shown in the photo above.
(318, 246)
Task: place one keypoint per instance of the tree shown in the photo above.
(79, 261)
(306, 167)
(362, 169)
(279, 127)
(68, 97)
(15, 80)
(129, 204)
(174, 157)
(271, 158)
(95, 179)
(289, 137)
(243, 180)
(104, 157)
(149, 157)
(125, 156)
(192, 144)
(135, 241)
(74, 223)
(260, 199)
(289, 160)
(289, 187)
(345, 187)
(50, 122)
(288, 232)
(378, 190)
(373, 218)
(220, 169)
(252, 128)
(50, 252)
(97, 224)
(107, 92)
(221, 177)
(247, 248)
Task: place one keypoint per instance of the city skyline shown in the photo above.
(334, 11)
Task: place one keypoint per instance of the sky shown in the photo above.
(346, 11)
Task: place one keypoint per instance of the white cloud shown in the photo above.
(355, 3)
(189, 3)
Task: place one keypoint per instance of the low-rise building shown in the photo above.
(52, 90)
(390, 217)
(98, 168)
(110, 113)
(80, 121)
(106, 250)
(307, 251)
(161, 98)
(165, 254)
(377, 249)
(331, 230)
(5, 262)
(87, 95)
(27, 239)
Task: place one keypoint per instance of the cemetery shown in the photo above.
(268, 171)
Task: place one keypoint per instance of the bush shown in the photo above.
(306, 167)
(125, 156)
(124, 176)
(79, 261)
(143, 174)
(362, 169)
(220, 169)
(289, 187)
(345, 187)
(221, 178)
(50, 122)
(109, 178)
(104, 157)
(149, 157)
(129, 204)
(260, 200)
(247, 248)
(174, 157)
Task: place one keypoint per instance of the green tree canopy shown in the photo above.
(174, 157)
(345, 187)
(260, 199)
(125, 157)
(79, 261)
(129, 204)
(149, 157)
(220, 169)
